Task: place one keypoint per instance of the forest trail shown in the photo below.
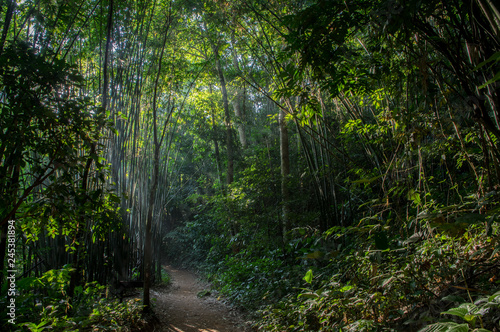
(181, 310)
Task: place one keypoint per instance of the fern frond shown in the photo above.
(446, 327)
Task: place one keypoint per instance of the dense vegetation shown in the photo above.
(328, 165)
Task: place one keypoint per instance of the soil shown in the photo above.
(181, 308)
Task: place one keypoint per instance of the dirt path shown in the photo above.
(181, 310)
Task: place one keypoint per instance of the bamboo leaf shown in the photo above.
(493, 80)
(309, 295)
(495, 57)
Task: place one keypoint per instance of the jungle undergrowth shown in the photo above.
(354, 278)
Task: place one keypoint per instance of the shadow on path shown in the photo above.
(181, 310)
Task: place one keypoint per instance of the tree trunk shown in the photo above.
(11, 5)
(227, 116)
(148, 237)
(78, 239)
(238, 99)
(285, 172)
(148, 246)
(216, 145)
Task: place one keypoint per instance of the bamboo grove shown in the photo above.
(283, 135)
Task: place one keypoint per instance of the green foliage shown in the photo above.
(43, 304)
(447, 327)
(470, 313)
(165, 278)
(495, 58)
(114, 316)
(308, 277)
(363, 288)
(392, 117)
(247, 279)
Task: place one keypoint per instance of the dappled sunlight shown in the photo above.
(190, 328)
(181, 308)
(321, 165)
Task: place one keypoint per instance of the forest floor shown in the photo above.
(180, 309)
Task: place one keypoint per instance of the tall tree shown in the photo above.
(227, 114)
(285, 173)
(157, 142)
(238, 101)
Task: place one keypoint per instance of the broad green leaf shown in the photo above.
(438, 327)
(460, 312)
(446, 327)
(308, 277)
(494, 297)
(414, 196)
(459, 328)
